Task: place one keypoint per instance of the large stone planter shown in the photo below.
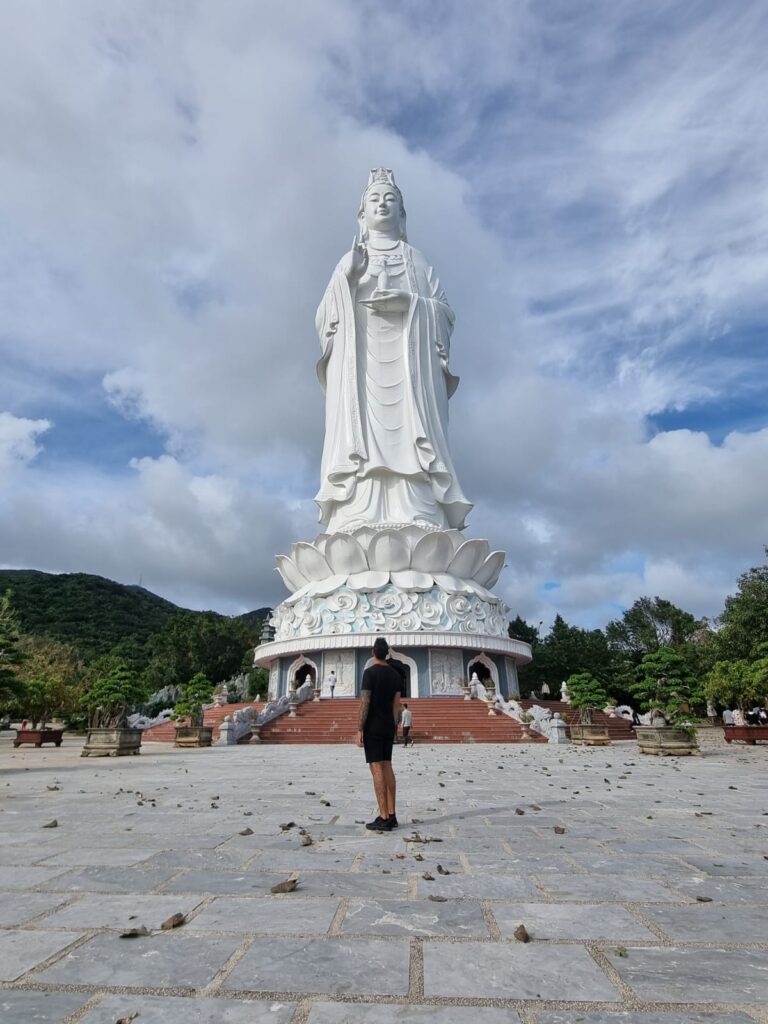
(38, 737)
(665, 740)
(111, 742)
(747, 733)
(193, 736)
(590, 735)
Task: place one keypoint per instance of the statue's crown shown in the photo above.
(381, 175)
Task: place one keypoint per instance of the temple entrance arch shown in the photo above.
(485, 668)
(411, 674)
(301, 669)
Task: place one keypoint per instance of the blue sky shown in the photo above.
(177, 182)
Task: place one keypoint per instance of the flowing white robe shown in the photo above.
(387, 385)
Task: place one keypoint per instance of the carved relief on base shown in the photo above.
(446, 669)
(343, 664)
(389, 610)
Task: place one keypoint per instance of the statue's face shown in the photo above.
(382, 208)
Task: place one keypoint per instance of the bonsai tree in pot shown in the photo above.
(108, 701)
(51, 674)
(666, 687)
(189, 708)
(741, 684)
(587, 696)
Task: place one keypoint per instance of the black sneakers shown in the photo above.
(393, 820)
(380, 824)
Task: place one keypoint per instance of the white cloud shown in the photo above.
(18, 439)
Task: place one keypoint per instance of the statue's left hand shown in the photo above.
(388, 300)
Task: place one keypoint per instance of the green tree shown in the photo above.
(744, 622)
(565, 651)
(200, 642)
(258, 683)
(11, 654)
(194, 694)
(729, 684)
(665, 683)
(650, 624)
(586, 695)
(739, 683)
(112, 696)
(519, 629)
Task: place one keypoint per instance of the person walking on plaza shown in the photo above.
(379, 711)
(332, 682)
(727, 717)
(406, 720)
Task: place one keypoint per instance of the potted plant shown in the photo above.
(666, 688)
(108, 701)
(741, 684)
(587, 696)
(42, 698)
(51, 674)
(189, 710)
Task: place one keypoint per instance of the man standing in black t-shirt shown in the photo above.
(377, 725)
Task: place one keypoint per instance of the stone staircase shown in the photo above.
(213, 716)
(435, 720)
(618, 728)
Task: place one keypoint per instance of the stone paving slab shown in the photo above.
(322, 965)
(489, 886)
(725, 890)
(593, 887)
(22, 907)
(124, 911)
(156, 961)
(40, 1007)
(324, 883)
(275, 915)
(108, 856)
(175, 1010)
(563, 921)
(730, 866)
(20, 951)
(711, 922)
(514, 972)
(360, 1013)
(694, 975)
(423, 918)
(23, 877)
(106, 879)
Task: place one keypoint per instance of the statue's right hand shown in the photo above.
(355, 263)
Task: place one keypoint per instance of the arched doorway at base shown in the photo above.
(407, 666)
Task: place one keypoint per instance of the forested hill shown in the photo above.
(89, 612)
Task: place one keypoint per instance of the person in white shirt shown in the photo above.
(727, 717)
(406, 720)
(332, 682)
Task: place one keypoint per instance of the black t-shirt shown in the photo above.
(383, 682)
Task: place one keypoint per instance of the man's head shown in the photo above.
(381, 648)
(405, 705)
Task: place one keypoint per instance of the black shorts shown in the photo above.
(377, 748)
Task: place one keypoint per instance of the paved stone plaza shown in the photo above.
(642, 883)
